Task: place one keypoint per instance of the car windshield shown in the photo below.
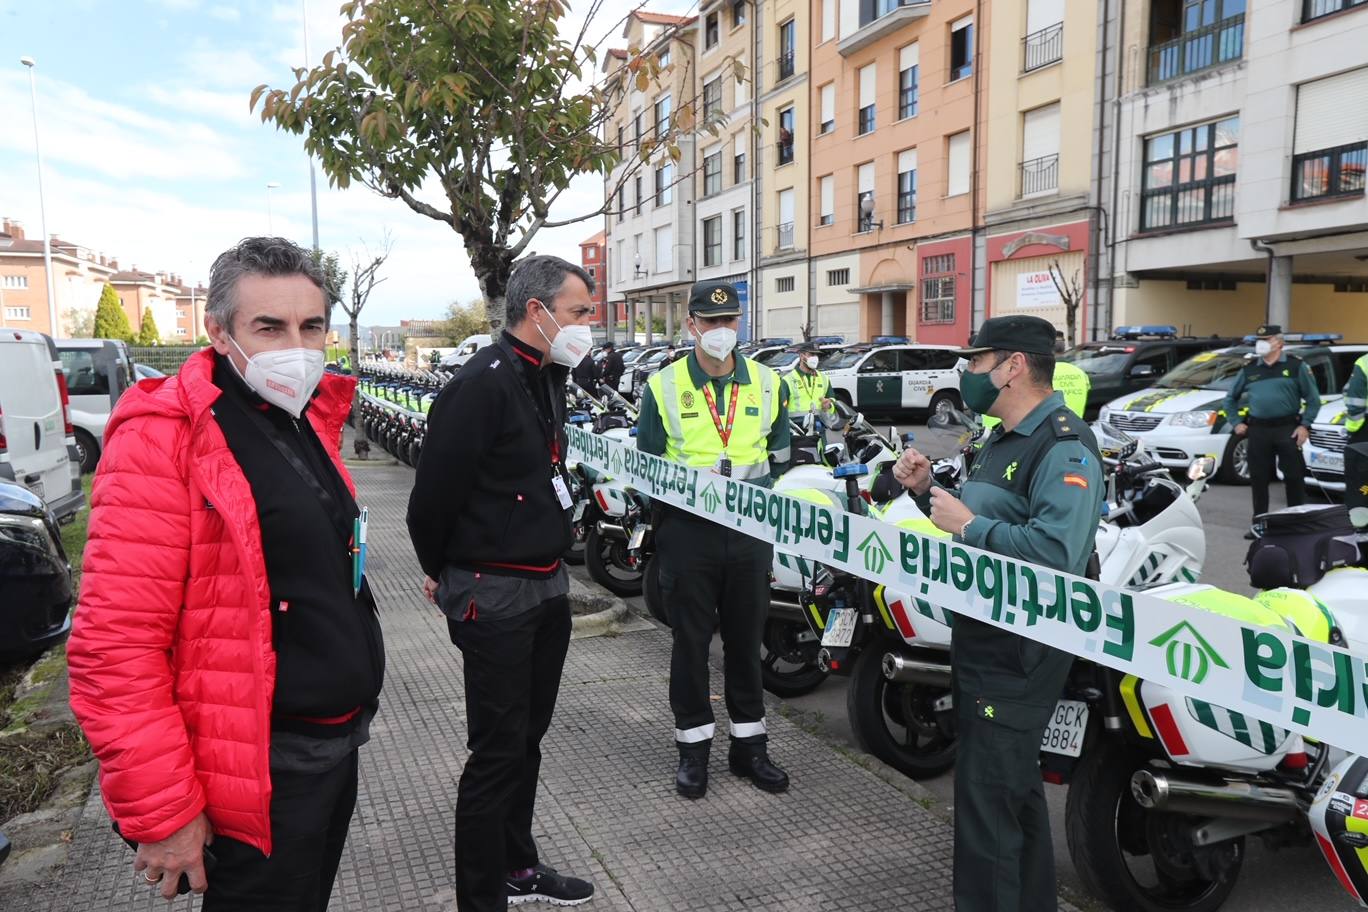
(780, 359)
(657, 356)
(844, 359)
(1105, 359)
(632, 356)
(1207, 370)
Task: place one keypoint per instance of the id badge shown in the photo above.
(724, 467)
(562, 492)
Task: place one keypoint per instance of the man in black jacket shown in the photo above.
(612, 365)
(489, 521)
(586, 375)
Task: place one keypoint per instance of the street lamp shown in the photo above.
(42, 205)
(313, 179)
(270, 218)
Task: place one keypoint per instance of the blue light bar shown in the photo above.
(890, 340)
(827, 340)
(849, 470)
(1148, 329)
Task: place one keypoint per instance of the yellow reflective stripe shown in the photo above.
(816, 616)
(665, 388)
(767, 391)
(1131, 698)
(883, 607)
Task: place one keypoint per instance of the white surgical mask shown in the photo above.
(718, 342)
(812, 361)
(1262, 347)
(571, 344)
(286, 378)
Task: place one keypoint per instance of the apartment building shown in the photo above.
(1040, 161)
(1237, 188)
(649, 229)
(895, 162)
(78, 276)
(163, 295)
(594, 260)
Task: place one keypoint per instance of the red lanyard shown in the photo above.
(724, 433)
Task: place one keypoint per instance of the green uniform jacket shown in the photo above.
(1071, 382)
(652, 436)
(1356, 396)
(1279, 390)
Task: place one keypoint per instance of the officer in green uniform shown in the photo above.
(1034, 493)
(1071, 382)
(717, 411)
(1356, 452)
(1282, 404)
(809, 391)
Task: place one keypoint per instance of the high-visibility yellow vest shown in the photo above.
(806, 391)
(1355, 394)
(1072, 381)
(691, 434)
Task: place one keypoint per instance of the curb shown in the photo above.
(600, 622)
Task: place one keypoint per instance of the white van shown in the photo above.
(97, 372)
(37, 439)
(466, 349)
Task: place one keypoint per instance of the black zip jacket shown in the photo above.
(483, 498)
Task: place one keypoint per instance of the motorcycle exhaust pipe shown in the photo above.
(605, 528)
(901, 669)
(1235, 798)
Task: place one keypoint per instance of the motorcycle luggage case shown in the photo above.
(1298, 546)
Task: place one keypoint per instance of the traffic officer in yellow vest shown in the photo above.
(809, 391)
(1356, 452)
(716, 410)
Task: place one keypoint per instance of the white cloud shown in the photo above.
(225, 13)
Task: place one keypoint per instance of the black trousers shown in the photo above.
(1267, 442)
(1356, 471)
(713, 577)
(310, 813)
(512, 677)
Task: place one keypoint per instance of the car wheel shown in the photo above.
(843, 396)
(88, 450)
(1235, 463)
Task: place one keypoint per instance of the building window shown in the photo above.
(636, 129)
(826, 191)
(838, 276)
(938, 289)
(957, 174)
(829, 19)
(1042, 48)
(592, 270)
(1189, 176)
(664, 58)
(18, 313)
(738, 13)
(785, 283)
(662, 116)
(621, 202)
(788, 49)
(1191, 35)
(621, 261)
(908, 66)
(591, 253)
(907, 186)
(1314, 9)
(664, 184)
(962, 48)
(738, 234)
(828, 93)
(1330, 147)
(619, 142)
(785, 149)
(739, 164)
(710, 31)
(712, 173)
(636, 183)
(864, 197)
(787, 201)
(712, 241)
(14, 281)
(1040, 150)
(712, 97)
(868, 84)
(876, 9)
(181, 331)
(742, 91)
(664, 248)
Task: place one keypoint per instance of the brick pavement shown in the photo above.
(842, 838)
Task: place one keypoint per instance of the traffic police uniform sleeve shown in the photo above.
(651, 437)
(1064, 495)
(1230, 408)
(780, 449)
(1310, 395)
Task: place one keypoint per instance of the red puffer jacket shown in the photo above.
(172, 670)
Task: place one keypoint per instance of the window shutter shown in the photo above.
(909, 57)
(867, 85)
(786, 207)
(1332, 112)
(866, 180)
(907, 160)
(957, 177)
(1040, 133)
(664, 248)
(828, 102)
(827, 186)
(1041, 14)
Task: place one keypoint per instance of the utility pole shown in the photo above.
(313, 178)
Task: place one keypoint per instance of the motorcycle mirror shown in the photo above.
(939, 421)
(1201, 467)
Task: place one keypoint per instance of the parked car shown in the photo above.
(1134, 358)
(97, 372)
(37, 437)
(468, 347)
(891, 376)
(145, 372)
(1324, 450)
(630, 361)
(1177, 417)
(35, 577)
(785, 360)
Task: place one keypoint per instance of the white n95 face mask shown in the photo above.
(1262, 347)
(571, 344)
(718, 342)
(286, 378)
(812, 361)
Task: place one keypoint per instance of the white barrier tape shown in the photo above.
(1286, 680)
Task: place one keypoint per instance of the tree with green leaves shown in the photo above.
(483, 98)
(110, 320)
(147, 332)
(465, 320)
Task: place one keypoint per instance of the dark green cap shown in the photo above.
(1013, 333)
(1268, 329)
(714, 299)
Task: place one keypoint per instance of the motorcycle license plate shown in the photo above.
(579, 511)
(840, 627)
(638, 536)
(1333, 462)
(1064, 732)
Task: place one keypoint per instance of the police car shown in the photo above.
(785, 360)
(891, 374)
(1324, 450)
(1177, 417)
(1133, 358)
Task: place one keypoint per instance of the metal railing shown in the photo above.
(784, 67)
(1315, 9)
(785, 236)
(1330, 172)
(784, 152)
(1042, 48)
(1209, 46)
(1040, 175)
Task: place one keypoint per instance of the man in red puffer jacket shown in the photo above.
(223, 665)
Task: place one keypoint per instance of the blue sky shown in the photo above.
(150, 153)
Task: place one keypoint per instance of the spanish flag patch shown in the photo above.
(1078, 481)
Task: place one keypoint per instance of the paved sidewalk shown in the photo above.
(842, 838)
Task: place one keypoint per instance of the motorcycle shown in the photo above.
(615, 524)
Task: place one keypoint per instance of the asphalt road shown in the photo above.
(1282, 880)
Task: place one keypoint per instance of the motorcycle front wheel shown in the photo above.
(788, 659)
(1138, 860)
(899, 723)
(608, 564)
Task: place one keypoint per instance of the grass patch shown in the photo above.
(74, 536)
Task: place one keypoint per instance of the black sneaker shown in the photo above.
(545, 885)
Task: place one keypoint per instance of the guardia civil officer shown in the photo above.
(1069, 380)
(1282, 404)
(1356, 452)
(716, 411)
(809, 391)
(1034, 493)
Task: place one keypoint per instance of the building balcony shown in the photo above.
(882, 17)
(784, 239)
(785, 66)
(1039, 175)
(783, 152)
(1042, 48)
(1198, 50)
(1329, 173)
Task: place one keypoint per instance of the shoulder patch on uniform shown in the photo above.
(1065, 424)
(1073, 479)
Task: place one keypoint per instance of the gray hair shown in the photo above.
(263, 256)
(539, 277)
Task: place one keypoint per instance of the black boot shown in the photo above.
(691, 779)
(751, 761)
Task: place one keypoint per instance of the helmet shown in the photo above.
(1339, 818)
